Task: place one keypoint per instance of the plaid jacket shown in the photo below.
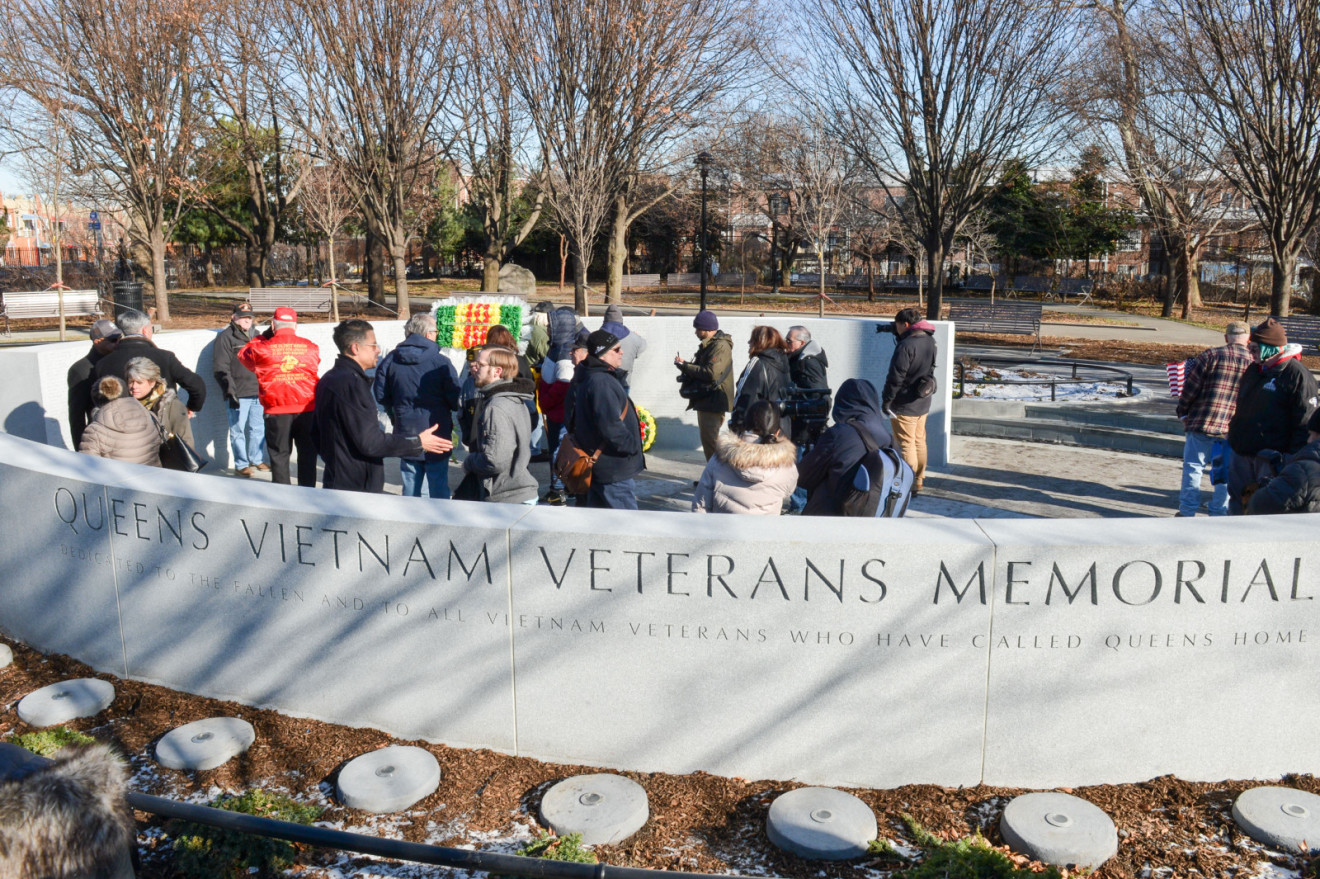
(1210, 389)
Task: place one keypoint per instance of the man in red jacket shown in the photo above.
(286, 367)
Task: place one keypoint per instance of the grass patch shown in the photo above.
(46, 742)
(202, 851)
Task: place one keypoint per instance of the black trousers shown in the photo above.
(283, 433)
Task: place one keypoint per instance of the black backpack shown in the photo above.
(880, 486)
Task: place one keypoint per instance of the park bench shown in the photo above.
(640, 282)
(902, 282)
(981, 283)
(734, 279)
(683, 279)
(1302, 329)
(1037, 284)
(301, 299)
(1009, 318)
(46, 303)
(1079, 287)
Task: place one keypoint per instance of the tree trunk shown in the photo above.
(375, 269)
(156, 241)
(490, 269)
(579, 282)
(252, 257)
(618, 252)
(334, 284)
(401, 305)
(935, 270)
(1285, 266)
(563, 261)
(59, 272)
(820, 260)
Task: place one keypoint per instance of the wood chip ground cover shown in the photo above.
(699, 822)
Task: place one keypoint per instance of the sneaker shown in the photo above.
(246, 472)
(263, 467)
(554, 498)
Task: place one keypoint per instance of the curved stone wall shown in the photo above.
(876, 653)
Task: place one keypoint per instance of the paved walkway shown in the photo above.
(990, 479)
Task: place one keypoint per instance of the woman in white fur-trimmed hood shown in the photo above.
(750, 472)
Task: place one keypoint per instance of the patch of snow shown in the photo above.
(1025, 385)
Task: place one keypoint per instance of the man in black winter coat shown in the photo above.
(137, 342)
(1297, 487)
(913, 362)
(349, 436)
(824, 471)
(605, 419)
(82, 377)
(1276, 398)
(808, 367)
(247, 420)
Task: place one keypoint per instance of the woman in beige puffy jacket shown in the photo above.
(148, 388)
(121, 429)
(751, 472)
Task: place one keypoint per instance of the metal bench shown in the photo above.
(1302, 329)
(28, 305)
(1038, 284)
(301, 299)
(1008, 318)
(640, 282)
(982, 283)
(683, 279)
(1079, 287)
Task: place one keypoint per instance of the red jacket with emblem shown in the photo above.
(286, 368)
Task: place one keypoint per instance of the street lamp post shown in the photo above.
(703, 162)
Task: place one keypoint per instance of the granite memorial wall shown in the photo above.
(1014, 652)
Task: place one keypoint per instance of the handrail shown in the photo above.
(961, 367)
(324, 837)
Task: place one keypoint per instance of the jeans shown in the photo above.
(553, 433)
(797, 502)
(434, 473)
(247, 433)
(1196, 460)
(613, 496)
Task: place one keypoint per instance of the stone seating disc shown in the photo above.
(65, 701)
(1059, 829)
(388, 780)
(1281, 817)
(205, 744)
(603, 807)
(821, 823)
(6, 655)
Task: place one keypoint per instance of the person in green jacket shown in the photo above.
(707, 379)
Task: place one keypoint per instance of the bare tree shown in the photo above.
(1252, 69)
(493, 135)
(1120, 92)
(126, 73)
(937, 95)
(247, 170)
(42, 143)
(825, 176)
(376, 75)
(327, 204)
(611, 86)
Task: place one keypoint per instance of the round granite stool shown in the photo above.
(388, 780)
(65, 701)
(604, 808)
(1281, 817)
(205, 744)
(6, 655)
(821, 823)
(1059, 829)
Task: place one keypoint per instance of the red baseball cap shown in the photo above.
(286, 313)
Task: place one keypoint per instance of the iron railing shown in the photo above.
(960, 374)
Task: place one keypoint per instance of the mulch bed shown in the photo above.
(699, 822)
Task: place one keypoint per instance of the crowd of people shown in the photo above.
(1249, 412)
(128, 396)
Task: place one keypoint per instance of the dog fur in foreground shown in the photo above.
(67, 818)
